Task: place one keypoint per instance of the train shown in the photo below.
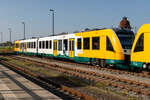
(140, 52)
(103, 47)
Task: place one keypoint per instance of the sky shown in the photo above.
(70, 15)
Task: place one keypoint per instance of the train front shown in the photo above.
(126, 38)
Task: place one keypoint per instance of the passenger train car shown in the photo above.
(140, 54)
(17, 46)
(104, 47)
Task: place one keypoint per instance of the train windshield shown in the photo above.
(126, 38)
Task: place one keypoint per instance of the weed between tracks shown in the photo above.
(98, 90)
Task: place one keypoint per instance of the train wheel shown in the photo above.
(148, 67)
(93, 62)
(103, 63)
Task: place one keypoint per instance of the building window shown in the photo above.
(50, 44)
(109, 46)
(46, 44)
(66, 44)
(59, 45)
(86, 43)
(95, 43)
(79, 43)
(139, 44)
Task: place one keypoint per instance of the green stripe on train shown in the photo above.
(81, 59)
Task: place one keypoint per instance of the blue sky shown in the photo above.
(70, 15)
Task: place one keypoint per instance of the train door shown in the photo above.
(20, 47)
(71, 47)
(55, 47)
(25, 47)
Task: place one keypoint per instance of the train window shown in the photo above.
(40, 44)
(95, 43)
(43, 44)
(46, 44)
(66, 44)
(16, 45)
(109, 46)
(139, 44)
(34, 45)
(59, 45)
(22, 45)
(31, 44)
(53, 45)
(72, 45)
(28, 44)
(86, 43)
(79, 43)
(50, 44)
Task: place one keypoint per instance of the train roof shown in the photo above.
(58, 36)
(144, 28)
(122, 31)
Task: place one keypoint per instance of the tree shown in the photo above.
(124, 23)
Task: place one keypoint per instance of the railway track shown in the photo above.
(141, 74)
(47, 83)
(130, 85)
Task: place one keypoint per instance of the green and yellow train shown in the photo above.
(103, 47)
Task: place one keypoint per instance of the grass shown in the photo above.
(100, 85)
(6, 49)
(49, 73)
